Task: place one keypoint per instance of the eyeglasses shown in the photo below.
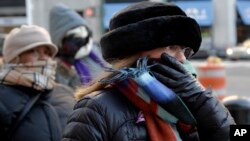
(187, 51)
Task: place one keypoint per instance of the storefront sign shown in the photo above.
(243, 8)
(202, 11)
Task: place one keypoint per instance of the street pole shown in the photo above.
(224, 26)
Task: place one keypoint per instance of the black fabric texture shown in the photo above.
(213, 119)
(109, 116)
(146, 26)
(45, 120)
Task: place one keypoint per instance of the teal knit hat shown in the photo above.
(61, 20)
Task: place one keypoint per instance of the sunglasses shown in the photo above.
(187, 51)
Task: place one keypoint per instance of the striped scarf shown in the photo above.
(39, 75)
(161, 107)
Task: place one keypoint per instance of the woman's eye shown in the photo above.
(48, 52)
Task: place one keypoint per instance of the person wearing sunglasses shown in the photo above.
(148, 95)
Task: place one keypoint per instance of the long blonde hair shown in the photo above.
(96, 85)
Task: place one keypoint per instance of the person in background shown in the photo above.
(33, 107)
(79, 58)
(148, 95)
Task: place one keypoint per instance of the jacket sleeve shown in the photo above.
(86, 122)
(213, 119)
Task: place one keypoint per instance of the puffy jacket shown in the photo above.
(46, 119)
(108, 116)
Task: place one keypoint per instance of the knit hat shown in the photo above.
(25, 38)
(148, 25)
(62, 19)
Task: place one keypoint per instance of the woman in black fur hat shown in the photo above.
(148, 94)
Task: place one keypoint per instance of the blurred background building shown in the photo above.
(224, 23)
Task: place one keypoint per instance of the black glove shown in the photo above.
(171, 73)
(213, 119)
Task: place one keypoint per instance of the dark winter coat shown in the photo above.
(46, 119)
(108, 116)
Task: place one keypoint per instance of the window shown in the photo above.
(12, 3)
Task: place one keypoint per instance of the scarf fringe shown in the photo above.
(125, 73)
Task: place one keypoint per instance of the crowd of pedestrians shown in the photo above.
(136, 85)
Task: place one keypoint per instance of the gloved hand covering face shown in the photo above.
(76, 44)
(172, 74)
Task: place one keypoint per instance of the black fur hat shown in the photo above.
(149, 25)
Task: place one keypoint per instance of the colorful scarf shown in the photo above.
(161, 107)
(39, 75)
